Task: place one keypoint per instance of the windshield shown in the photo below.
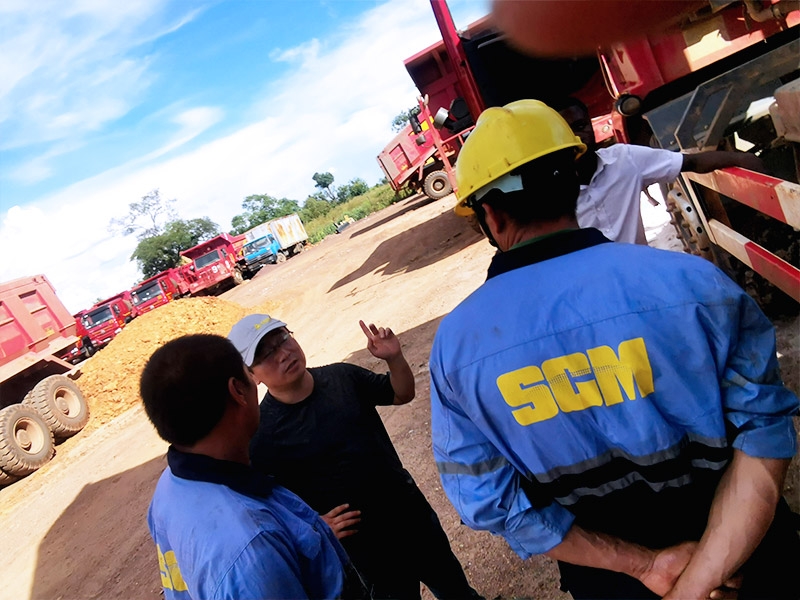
(146, 292)
(97, 317)
(207, 259)
(255, 245)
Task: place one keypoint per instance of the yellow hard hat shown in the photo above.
(505, 138)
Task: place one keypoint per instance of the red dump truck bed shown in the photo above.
(34, 325)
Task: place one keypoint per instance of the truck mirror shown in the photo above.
(413, 120)
(441, 118)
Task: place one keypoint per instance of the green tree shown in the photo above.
(324, 181)
(314, 207)
(351, 189)
(146, 218)
(159, 252)
(260, 208)
(401, 120)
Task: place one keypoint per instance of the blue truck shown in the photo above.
(261, 251)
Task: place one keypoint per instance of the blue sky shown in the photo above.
(209, 102)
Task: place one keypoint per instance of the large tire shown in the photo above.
(437, 185)
(61, 404)
(26, 443)
(280, 258)
(6, 479)
(238, 278)
(88, 348)
(299, 248)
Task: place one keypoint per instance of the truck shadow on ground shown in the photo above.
(100, 546)
(412, 203)
(444, 235)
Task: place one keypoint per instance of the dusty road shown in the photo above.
(76, 528)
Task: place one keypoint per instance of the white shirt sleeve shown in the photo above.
(611, 201)
(655, 165)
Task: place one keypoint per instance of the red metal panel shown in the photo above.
(32, 319)
(640, 66)
(755, 190)
(13, 340)
(778, 271)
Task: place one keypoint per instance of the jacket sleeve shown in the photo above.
(266, 568)
(754, 399)
(483, 486)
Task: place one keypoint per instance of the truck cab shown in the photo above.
(212, 266)
(106, 319)
(259, 252)
(158, 290)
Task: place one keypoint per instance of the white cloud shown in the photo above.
(67, 68)
(333, 114)
(304, 53)
(191, 123)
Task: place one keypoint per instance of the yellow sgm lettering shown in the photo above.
(617, 373)
(171, 577)
(166, 582)
(175, 572)
(559, 372)
(518, 389)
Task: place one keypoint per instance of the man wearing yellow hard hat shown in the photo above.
(613, 406)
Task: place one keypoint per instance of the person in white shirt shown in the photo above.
(613, 178)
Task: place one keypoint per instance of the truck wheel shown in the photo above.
(280, 258)
(238, 278)
(437, 185)
(88, 347)
(6, 479)
(25, 441)
(61, 404)
(299, 248)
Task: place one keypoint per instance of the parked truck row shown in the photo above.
(208, 268)
(40, 405)
(726, 78)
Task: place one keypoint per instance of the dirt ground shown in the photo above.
(76, 528)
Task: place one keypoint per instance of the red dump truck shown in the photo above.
(211, 267)
(421, 157)
(726, 78)
(40, 405)
(159, 289)
(103, 321)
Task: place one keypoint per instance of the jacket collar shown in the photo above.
(551, 246)
(199, 467)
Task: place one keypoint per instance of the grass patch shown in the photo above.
(356, 208)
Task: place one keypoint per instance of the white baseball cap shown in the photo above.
(246, 334)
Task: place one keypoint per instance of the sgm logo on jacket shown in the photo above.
(578, 381)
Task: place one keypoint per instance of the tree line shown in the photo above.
(162, 235)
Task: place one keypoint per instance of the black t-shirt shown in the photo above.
(332, 448)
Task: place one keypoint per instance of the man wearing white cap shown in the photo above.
(321, 436)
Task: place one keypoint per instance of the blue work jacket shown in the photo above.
(225, 532)
(603, 383)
